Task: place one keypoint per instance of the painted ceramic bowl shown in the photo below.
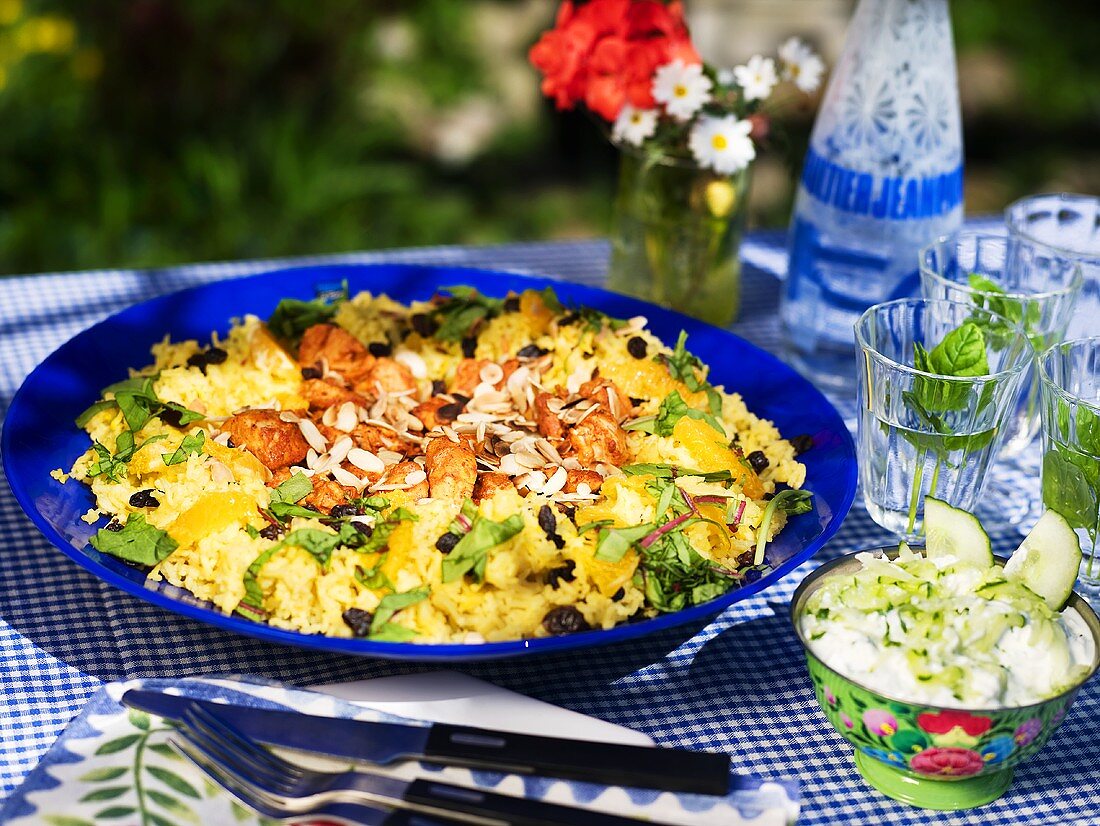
(936, 758)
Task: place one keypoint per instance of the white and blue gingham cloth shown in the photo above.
(739, 685)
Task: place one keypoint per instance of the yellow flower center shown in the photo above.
(719, 142)
(636, 118)
(680, 90)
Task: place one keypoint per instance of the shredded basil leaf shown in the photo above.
(294, 489)
(391, 604)
(789, 501)
(674, 472)
(292, 316)
(615, 542)
(192, 443)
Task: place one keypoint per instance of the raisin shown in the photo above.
(746, 559)
(558, 541)
(216, 355)
(447, 542)
(511, 304)
(439, 387)
(565, 619)
(311, 373)
(634, 400)
(758, 460)
(469, 346)
(423, 324)
(449, 412)
(802, 443)
(561, 574)
(379, 349)
(531, 351)
(358, 621)
(363, 528)
(618, 595)
(547, 521)
(750, 576)
(114, 526)
(345, 509)
(271, 532)
(636, 347)
(144, 499)
(463, 400)
(570, 512)
(735, 442)
(569, 318)
(769, 497)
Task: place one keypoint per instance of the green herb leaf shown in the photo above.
(392, 632)
(392, 603)
(192, 443)
(472, 551)
(789, 501)
(292, 317)
(675, 472)
(682, 364)
(961, 353)
(380, 536)
(615, 542)
(93, 411)
(294, 489)
(462, 311)
(138, 541)
(285, 511)
(591, 526)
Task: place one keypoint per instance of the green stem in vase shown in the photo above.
(915, 489)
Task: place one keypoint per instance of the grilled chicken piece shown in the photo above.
(397, 475)
(275, 443)
(598, 438)
(374, 438)
(388, 374)
(605, 391)
(340, 349)
(573, 478)
(489, 482)
(468, 375)
(322, 395)
(428, 413)
(549, 424)
(452, 469)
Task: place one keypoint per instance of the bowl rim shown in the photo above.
(815, 577)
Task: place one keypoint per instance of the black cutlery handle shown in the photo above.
(673, 770)
(515, 811)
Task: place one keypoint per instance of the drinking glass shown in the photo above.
(1069, 376)
(1027, 284)
(1067, 226)
(923, 432)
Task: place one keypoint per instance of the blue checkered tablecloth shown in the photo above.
(738, 685)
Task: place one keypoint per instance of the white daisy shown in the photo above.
(726, 77)
(682, 89)
(722, 144)
(801, 65)
(633, 125)
(757, 77)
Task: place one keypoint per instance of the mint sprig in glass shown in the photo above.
(1030, 287)
(935, 391)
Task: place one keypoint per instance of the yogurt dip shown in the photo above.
(946, 633)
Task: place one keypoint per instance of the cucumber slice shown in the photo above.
(950, 531)
(1048, 560)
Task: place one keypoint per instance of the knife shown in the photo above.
(674, 770)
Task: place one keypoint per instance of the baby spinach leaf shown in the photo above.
(137, 542)
(613, 543)
(392, 603)
(191, 444)
(472, 551)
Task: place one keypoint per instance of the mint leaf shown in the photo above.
(1088, 430)
(472, 551)
(392, 603)
(191, 444)
(1071, 486)
(961, 353)
(682, 364)
(137, 542)
(615, 542)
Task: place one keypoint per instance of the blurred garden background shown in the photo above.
(151, 132)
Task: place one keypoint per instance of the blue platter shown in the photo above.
(39, 434)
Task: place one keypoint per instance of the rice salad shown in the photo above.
(463, 469)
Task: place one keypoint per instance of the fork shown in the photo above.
(267, 806)
(250, 763)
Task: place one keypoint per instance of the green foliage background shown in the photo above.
(149, 132)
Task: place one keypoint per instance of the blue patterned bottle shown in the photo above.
(882, 178)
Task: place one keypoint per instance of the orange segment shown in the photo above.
(211, 513)
(711, 452)
(609, 577)
(536, 312)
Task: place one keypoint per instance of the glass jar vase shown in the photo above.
(676, 233)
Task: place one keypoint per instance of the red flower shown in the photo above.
(605, 52)
(944, 721)
(947, 762)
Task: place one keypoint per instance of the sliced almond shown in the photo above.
(491, 373)
(365, 460)
(312, 435)
(289, 416)
(345, 477)
(389, 457)
(220, 473)
(555, 483)
(346, 418)
(413, 361)
(415, 477)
